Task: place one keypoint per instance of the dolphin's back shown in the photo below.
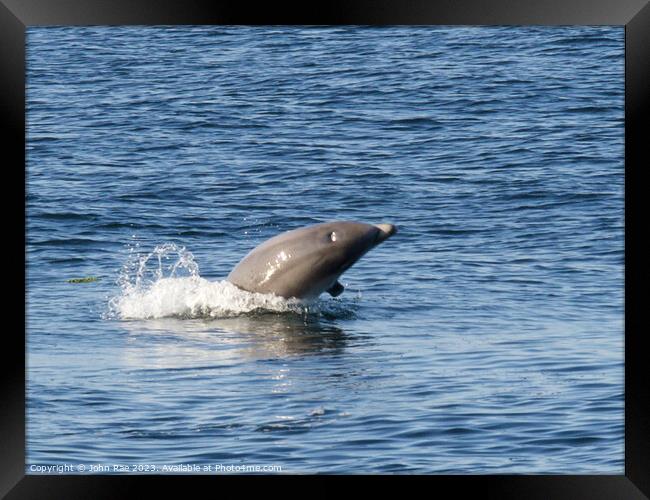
(280, 265)
(305, 262)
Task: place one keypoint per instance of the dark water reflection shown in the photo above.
(255, 336)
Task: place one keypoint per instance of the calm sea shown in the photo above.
(485, 337)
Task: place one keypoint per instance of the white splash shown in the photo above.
(152, 288)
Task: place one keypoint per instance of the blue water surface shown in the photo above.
(485, 337)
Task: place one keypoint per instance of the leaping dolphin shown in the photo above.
(305, 262)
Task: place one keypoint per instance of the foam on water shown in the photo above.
(167, 283)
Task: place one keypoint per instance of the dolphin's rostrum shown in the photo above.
(305, 262)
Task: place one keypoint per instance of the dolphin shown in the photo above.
(305, 262)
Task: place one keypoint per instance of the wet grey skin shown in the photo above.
(305, 262)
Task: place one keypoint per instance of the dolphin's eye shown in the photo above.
(333, 236)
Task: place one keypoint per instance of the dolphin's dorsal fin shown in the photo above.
(336, 289)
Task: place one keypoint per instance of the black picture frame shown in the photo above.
(634, 15)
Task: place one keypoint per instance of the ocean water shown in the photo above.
(485, 337)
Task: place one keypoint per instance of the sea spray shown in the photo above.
(166, 283)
